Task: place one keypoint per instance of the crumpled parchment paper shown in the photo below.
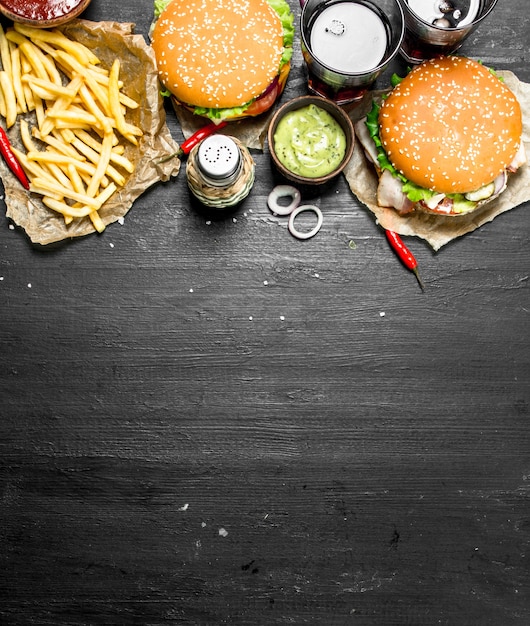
(108, 40)
(439, 230)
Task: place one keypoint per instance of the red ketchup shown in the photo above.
(40, 10)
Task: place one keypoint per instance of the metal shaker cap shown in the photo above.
(219, 159)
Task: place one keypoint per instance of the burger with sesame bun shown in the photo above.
(223, 59)
(445, 139)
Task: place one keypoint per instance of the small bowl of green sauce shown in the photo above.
(311, 140)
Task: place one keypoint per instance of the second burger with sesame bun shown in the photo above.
(445, 139)
(223, 59)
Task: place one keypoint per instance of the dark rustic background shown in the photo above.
(214, 423)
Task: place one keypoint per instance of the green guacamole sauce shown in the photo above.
(309, 142)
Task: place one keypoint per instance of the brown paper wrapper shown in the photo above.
(251, 131)
(108, 40)
(439, 230)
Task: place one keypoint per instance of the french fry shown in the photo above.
(97, 222)
(46, 125)
(74, 116)
(76, 178)
(55, 38)
(46, 48)
(32, 168)
(102, 165)
(79, 187)
(71, 66)
(5, 54)
(31, 52)
(25, 68)
(127, 130)
(9, 98)
(18, 88)
(58, 144)
(95, 158)
(48, 90)
(3, 108)
(94, 143)
(67, 134)
(58, 174)
(71, 124)
(25, 135)
(39, 111)
(66, 209)
(103, 121)
(48, 64)
(46, 158)
(45, 188)
(116, 156)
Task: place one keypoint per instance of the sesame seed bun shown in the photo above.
(450, 125)
(217, 54)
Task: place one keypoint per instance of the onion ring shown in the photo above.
(305, 207)
(283, 191)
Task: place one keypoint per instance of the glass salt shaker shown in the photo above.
(220, 171)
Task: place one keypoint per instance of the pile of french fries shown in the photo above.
(74, 151)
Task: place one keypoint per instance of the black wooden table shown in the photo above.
(211, 422)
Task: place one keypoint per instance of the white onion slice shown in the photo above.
(283, 191)
(500, 183)
(301, 209)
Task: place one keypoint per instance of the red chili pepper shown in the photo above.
(199, 135)
(193, 140)
(11, 159)
(404, 254)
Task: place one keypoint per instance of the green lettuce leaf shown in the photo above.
(160, 5)
(415, 193)
(287, 18)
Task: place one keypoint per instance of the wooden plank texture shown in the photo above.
(210, 422)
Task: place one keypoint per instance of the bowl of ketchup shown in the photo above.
(42, 13)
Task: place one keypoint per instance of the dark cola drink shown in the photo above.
(439, 27)
(346, 44)
(415, 50)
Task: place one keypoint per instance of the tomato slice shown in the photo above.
(262, 103)
(265, 102)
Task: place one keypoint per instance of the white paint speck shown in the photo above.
(382, 314)
(121, 221)
(191, 290)
(250, 317)
(282, 317)
(223, 532)
(29, 285)
(265, 282)
(111, 245)
(11, 227)
(203, 524)
(1, 278)
(208, 222)
(317, 275)
(184, 507)
(234, 219)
